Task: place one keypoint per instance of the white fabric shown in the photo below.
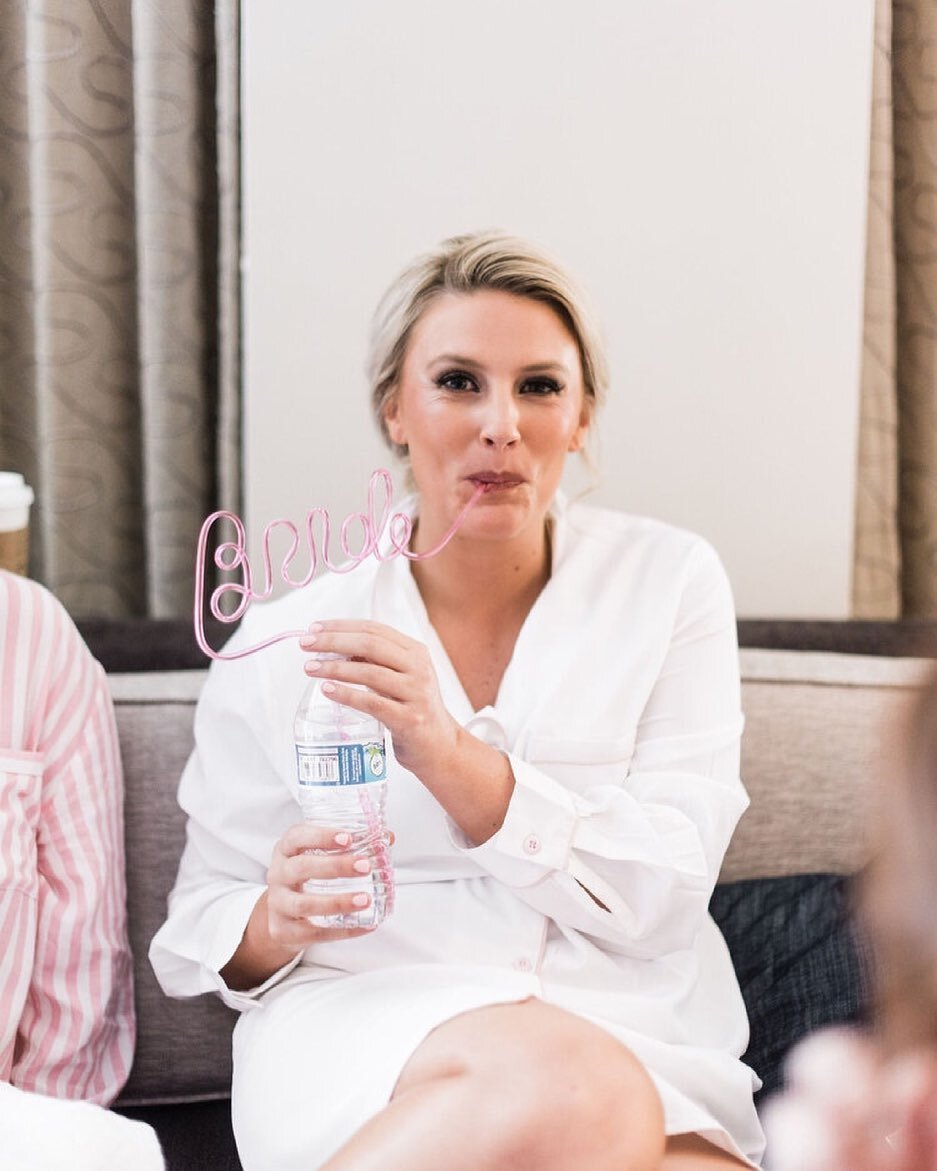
(52, 1134)
(620, 713)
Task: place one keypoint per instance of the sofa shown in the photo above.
(814, 710)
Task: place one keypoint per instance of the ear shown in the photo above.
(393, 421)
(578, 439)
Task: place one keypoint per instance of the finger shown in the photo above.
(373, 645)
(368, 702)
(305, 934)
(305, 905)
(382, 680)
(301, 933)
(318, 905)
(331, 626)
(305, 843)
(303, 868)
(305, 836)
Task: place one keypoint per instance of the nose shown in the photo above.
(500, 421)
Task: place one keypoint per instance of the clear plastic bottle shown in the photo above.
(342, 777)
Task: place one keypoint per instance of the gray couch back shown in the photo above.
(183, 1048)
(812, 740)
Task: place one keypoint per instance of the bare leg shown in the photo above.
(525, 1087)
(689, 1152)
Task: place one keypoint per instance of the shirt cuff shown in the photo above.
(228, 934)
(536, 835)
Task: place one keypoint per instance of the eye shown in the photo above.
(541, 387)
(456, 380)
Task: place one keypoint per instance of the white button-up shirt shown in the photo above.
(620, 713)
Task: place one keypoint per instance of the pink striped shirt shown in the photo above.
(66, 993)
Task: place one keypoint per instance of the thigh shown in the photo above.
(691, 1152)
(316, 1060)
(527, 1036)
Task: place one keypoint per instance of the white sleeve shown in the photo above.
(649, 849)
(238, 807)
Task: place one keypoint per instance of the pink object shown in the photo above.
(231, 556)
(66, 997)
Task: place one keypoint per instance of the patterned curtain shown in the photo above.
(896, 520)
(119, 292)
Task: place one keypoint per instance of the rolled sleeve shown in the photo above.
(185, 969)
(536, 836)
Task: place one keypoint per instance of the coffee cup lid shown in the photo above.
(14, 491)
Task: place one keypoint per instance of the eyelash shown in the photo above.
(547, 386)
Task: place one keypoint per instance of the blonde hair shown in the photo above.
(467, 264)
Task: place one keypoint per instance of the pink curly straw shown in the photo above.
(231, 556)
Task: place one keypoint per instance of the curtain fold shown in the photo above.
(119, 298)
(895, 560)
(914, 50)
(877, 556)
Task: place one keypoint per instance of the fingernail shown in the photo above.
(360, 900)
(311, 666)
(363, 866)
(342, 839)
(328, 687)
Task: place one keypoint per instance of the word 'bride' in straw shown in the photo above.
(231, 556)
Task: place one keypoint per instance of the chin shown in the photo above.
(500, 522)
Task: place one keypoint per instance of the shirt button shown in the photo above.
(531, 844)
(523, 964)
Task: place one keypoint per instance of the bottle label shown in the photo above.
(340, 764)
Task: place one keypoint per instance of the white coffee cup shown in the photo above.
(16, 496)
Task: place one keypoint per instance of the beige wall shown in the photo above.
(701, 167)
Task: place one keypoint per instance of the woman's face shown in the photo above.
(490, 392)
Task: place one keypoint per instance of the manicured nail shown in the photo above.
(311, 666)
(307, 639)
(328, 688)
(363, 866)
(360, 900)
(342, 839)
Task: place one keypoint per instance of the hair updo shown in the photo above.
(468, 264)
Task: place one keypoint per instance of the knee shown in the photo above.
(570, 1095)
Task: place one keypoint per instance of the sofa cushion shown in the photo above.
(814, 725)
(183, 1050)
(799, 961)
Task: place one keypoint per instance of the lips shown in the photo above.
(494, 480)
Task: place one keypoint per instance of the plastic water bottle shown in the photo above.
(342, 776)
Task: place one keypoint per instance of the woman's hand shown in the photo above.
(401, 688)
(279, 927)
(309, 853)
(391, 677)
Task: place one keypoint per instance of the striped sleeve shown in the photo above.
(67, 1026)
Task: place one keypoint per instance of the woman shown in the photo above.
(869, 1103)
(66, 980)
(560, 690)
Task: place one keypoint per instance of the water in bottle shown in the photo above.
(341, 771)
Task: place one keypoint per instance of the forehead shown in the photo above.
(493, 323)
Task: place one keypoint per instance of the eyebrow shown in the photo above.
(534, 368)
